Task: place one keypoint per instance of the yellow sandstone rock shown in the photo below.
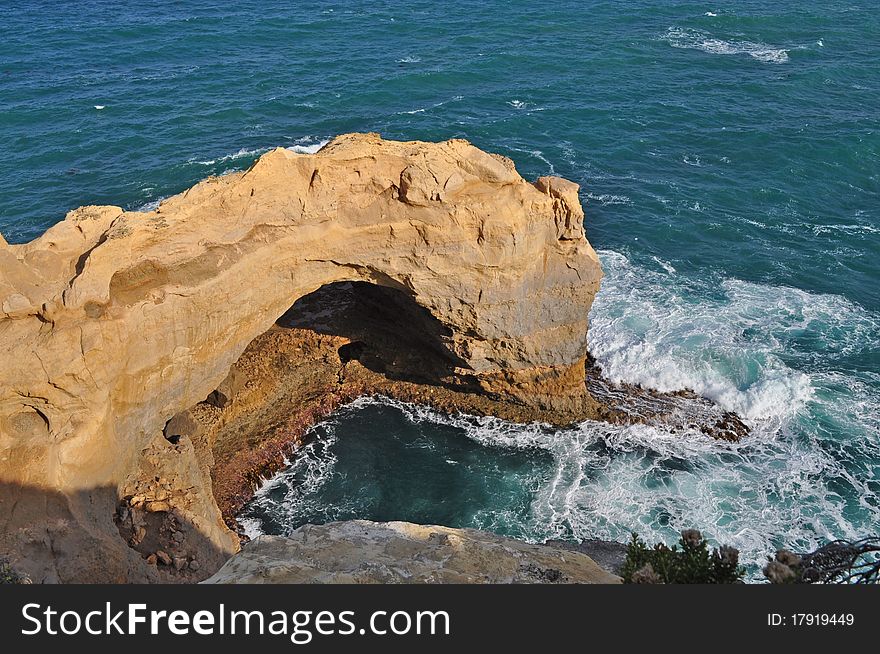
(112, 322)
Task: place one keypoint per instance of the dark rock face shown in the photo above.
(607, 553)
(388, 332)
(676, 412)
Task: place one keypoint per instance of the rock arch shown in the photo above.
(112, 322)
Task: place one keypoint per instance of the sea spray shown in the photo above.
(802, 477)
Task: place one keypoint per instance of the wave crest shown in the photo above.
(729, 340)
(693, 39)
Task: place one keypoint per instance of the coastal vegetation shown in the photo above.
(691, 562)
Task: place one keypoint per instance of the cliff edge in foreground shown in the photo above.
(364, 552)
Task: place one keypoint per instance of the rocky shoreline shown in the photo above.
(300, 371)
(160, 364)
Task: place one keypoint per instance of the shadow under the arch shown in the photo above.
(390, 333)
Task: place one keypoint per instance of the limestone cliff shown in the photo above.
(113, 322)
(359, 551)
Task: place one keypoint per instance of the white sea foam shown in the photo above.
(409, 60)
(234, 156)
(606, 480)
(539, 155)
(304, 145)
(436, 105)
(846, 229)
(668, 267)
(251, 527)
(308, 145)
(694, 39)
(152, 205)
(806, 474)
(727, 340)
(606, 199)
(517, 104)
(311, 465)
(754, 223)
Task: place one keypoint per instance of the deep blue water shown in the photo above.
(729, 157)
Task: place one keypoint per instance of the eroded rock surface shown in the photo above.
(157, 365)
(363, 552)
(113, 322)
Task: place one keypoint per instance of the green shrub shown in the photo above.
(8, 575)
(689, 562)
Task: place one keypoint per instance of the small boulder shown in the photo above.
(164, 557)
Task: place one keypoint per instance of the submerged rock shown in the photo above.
(360, 551)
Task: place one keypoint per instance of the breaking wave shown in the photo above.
(808, 473)
(694, 39)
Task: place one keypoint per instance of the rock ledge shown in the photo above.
(364, 552)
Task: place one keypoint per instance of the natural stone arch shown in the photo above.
(114, 321)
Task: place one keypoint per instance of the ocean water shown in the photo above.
(729, 161)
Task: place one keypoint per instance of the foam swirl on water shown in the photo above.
(694, 39)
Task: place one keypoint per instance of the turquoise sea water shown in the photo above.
(729, 157)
